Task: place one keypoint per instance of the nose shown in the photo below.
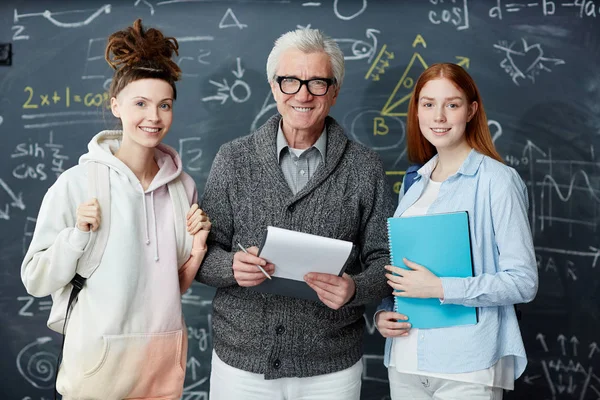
(303, 94)
(153, 114)
(439, 115)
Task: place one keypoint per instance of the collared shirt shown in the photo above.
(297, 170)
(503, 260)
(404, 351)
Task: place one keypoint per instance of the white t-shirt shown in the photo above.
(403, 355)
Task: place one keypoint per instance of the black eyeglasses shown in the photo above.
(316, 86)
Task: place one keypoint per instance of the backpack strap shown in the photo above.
(98, 187)
(181, 207)
(410, 176)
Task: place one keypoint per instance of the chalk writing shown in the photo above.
(525, 61)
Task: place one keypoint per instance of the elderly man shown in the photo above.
(298, 171)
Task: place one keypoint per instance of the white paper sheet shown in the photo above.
(295, 254)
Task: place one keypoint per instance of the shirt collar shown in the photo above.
(468, 167)
(320, 144)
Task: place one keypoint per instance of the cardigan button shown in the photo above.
(291, 208)
(276, 364)
(280, 329)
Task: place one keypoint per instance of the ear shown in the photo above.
(114, 107)
(335, 95)
(472, 110)
(274, 89)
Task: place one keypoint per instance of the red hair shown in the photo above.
(477, 132)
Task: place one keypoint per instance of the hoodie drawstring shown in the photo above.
(153, 220)
(155, 229)
(145, 213)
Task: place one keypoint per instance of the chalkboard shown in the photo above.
(537, 67)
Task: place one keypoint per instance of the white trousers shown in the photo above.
(229, 383)
(418, 387)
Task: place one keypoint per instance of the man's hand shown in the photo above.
(334, 291)
(245, 270)
(388, 325)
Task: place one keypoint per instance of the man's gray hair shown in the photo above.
(307, 41)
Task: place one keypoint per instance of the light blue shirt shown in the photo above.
(504, 263)
(297, 170)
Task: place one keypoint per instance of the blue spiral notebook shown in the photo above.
(442, 244)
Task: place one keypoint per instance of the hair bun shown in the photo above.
(136, 47)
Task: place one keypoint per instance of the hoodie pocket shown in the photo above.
(138, 366)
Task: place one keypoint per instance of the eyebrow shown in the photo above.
(313, 77)
(147, 99)
(447, 98)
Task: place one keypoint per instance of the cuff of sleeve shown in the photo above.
(79, 239)
(454, 290)
(357, 298)
(375, 318)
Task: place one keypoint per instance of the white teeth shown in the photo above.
(440, 130)
(302, 109)
(150, 130)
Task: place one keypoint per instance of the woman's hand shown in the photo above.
(388, 325)
(417, 281)
(197, 220)
(88, 215)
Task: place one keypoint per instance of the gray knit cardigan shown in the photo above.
(347, 198)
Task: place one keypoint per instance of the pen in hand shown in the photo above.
(259, 267)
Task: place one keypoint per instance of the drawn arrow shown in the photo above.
(571, 388)
(542, 340)
(529, 379)
(575, 342)
(593, 348)
(193, 364)
(561, 338)
(389, 55)
(4, 213)
(223, 87)
(240, 71)
(17, 200)
(463, 61)
(375, 77)
(219, 96)
(560, 387)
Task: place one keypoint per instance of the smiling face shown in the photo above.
(145, 108)
(443, 112)
(302, 112)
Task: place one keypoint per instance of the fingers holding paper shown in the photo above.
(245, 270)
(417, 281)
(334, 291)
(388, 325)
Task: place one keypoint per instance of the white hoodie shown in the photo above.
(125, 337)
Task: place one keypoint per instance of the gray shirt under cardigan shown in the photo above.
(347, 198)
